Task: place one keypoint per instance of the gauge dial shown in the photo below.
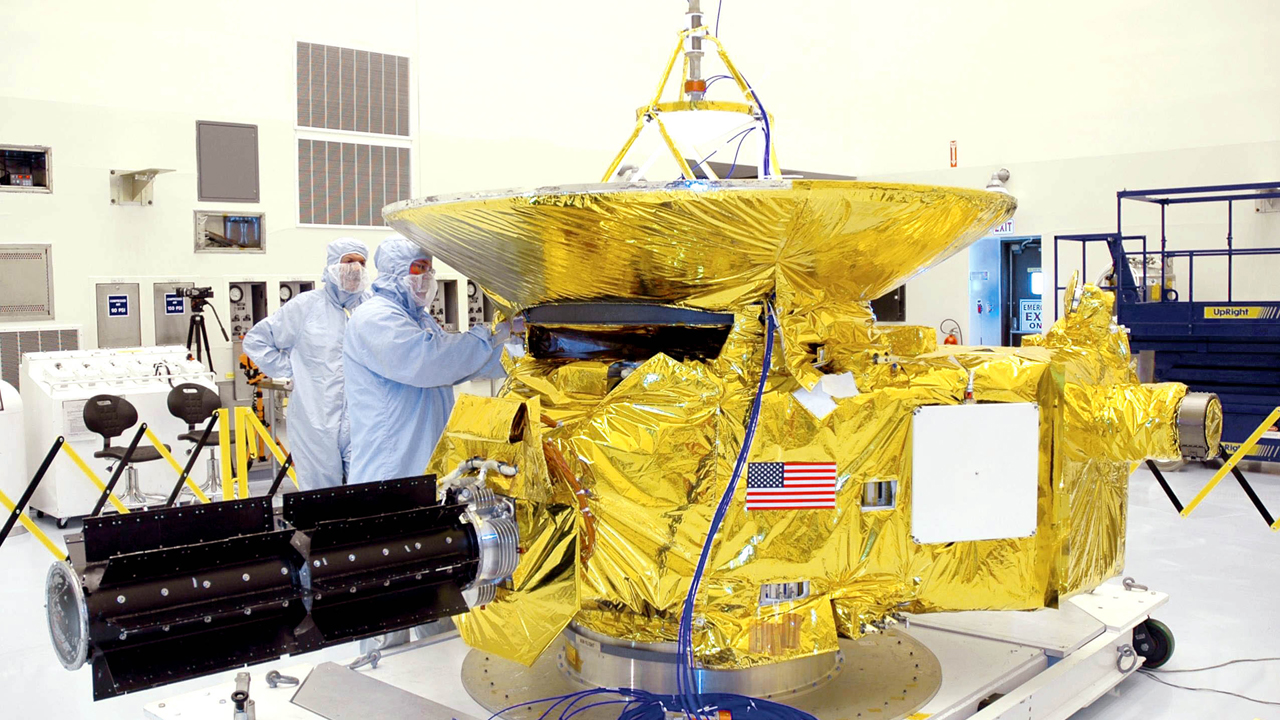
(286, 292)
(236, 293)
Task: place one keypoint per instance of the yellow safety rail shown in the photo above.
(656, 106)
(159, 446)
(251, 422)
(224, 450)
(29, 524)
(1243, 450)
(93, 477)
(247, 428)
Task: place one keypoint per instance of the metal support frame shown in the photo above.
(1164, 485)
(15, 512)
(285, 468)
(1230, 465)
(120, 466)
(185, 474)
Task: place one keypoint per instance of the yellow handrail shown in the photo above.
(272, 446)
(242, 456)
(58, 553)
(88, 472)
(1236, 457)
(224, 451)
(159, 446)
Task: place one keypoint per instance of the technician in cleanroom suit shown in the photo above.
(401, 367)
(303, 340)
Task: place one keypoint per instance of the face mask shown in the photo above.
(348, 277)
(422, 288)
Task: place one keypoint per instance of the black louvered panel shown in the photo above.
(10, 357)
(305, 202)
(348, 93)
(304, 84)
(333, 187)
(405, 188)
(361, 91)
(391, 174)
(349, 209)
(376, 93)
(377, 183)
(319, 183)
(362, 186)
(356, 90)
(318, 75)
(402, 96)
(332, 88)
(69, 340)
(28, 341)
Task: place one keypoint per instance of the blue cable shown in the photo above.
(713, 152)
(734, 166)
(685, 677)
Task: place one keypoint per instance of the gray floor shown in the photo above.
(1221, 568)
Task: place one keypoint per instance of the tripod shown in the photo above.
(198, 334)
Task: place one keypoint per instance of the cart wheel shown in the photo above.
(62, 523)
(1153, 640)
(39, 514)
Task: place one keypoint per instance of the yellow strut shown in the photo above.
(652, 110)
(224, 451)
(27, 523)
(242, 454)
(159, 446)
(1231, 462)
(272, 446)
(93, 477)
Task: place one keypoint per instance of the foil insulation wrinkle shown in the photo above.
(622, 463)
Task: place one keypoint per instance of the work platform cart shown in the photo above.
(1229, 347)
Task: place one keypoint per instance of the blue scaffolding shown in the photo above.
(1227, 347)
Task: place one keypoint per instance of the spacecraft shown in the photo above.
(715, 459)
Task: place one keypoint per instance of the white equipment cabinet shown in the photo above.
(13, 453)
(54, 390)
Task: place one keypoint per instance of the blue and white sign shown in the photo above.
(117, 306)
(1029, 315)
(173, 304)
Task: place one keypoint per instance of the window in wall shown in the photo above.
(354, 145)
(26, 168)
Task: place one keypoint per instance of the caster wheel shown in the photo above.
(1153, 640)
(62, 523)
(39, 514)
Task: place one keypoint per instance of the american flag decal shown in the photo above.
(791, 486)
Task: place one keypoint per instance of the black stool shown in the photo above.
(195, 404)
(109, 416)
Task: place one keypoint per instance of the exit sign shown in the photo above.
(1004, 228)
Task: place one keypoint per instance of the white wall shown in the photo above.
(121, 85)
(1077, 100)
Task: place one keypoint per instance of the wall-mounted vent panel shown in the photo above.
(14, 343)
(354, 90)
(26, 282)
(349, 183)
(227, 162)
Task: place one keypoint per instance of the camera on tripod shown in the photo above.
(197, 335)
(197, 295)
